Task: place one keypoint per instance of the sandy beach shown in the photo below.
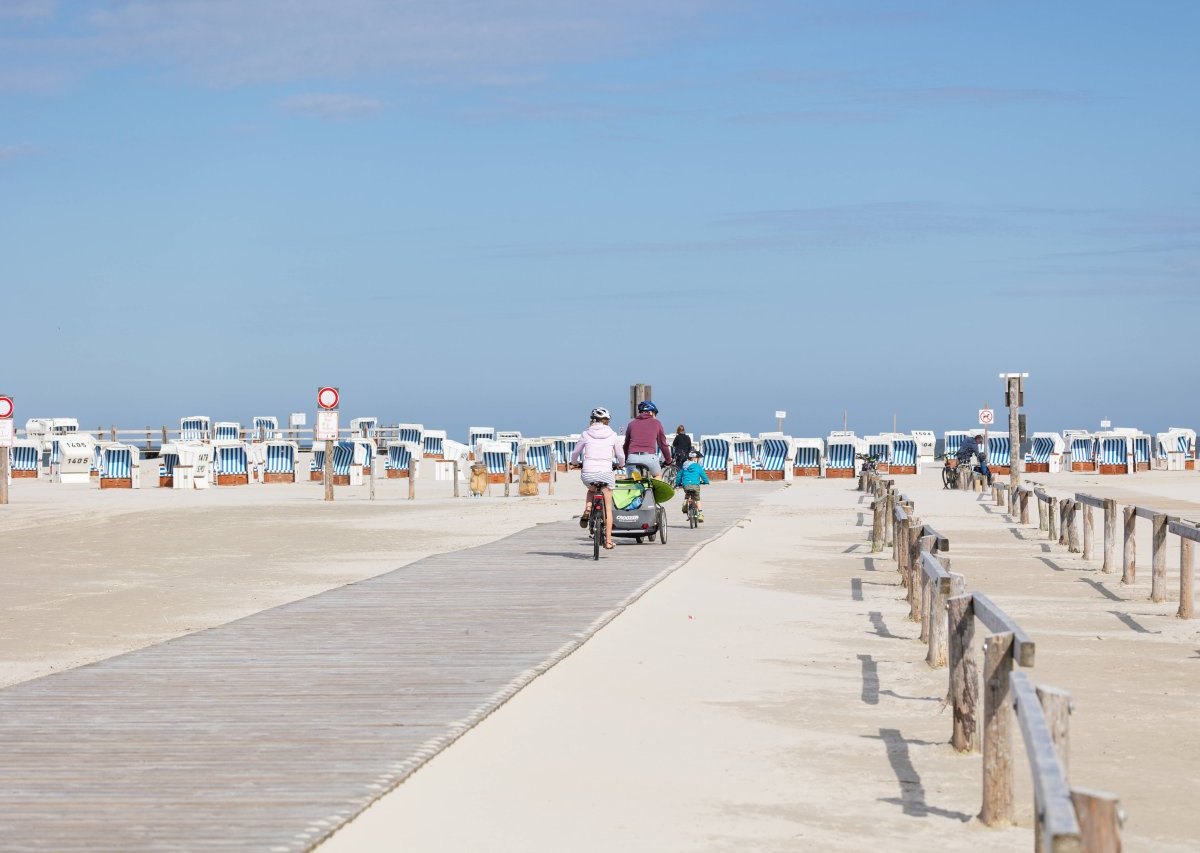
(769, 694)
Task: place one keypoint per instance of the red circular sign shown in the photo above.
(6, 407)
(327, 397)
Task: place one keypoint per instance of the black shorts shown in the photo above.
(692, 491)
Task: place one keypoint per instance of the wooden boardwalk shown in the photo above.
(269, 732)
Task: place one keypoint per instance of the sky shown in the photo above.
(504, 212)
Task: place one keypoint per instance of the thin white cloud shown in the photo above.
(12, 152)
(330, 106)
(28, 10)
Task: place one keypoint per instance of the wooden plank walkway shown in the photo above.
(269, 732)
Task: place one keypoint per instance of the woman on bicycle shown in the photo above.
(681, 446)
(599, 448)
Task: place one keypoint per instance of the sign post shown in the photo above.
(327, 430)
(7, 434)
(779, 416)
(1014, 396)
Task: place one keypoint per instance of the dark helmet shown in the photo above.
(647, 406)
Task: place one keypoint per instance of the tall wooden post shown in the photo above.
(877, 515)
(1024, 507)
(1186, 569)
(964, 673)
(1041, 514)
(456, 479)
(1052, 524)
(1158, 558)
(1016, 460)
(1129, 556)
(374, 459)
(412, 478)
(1110, 535)
(327, 470)
(997, 731)
(508, 480)
(4, 466)
(1089, 531)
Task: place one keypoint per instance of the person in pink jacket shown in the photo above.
(598, 448)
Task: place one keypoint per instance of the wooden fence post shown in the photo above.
(939, 621)
(889, 520)
(914, 571)
(997, 731)
(1089, 528)
(1056, 708)
(1099, 816)
(964, 673)
(1129, 558)
(1158, 558)
(1110, 535)
(1186, 570)
(327, 470)
(456, 464)
(508, 480)
(1041, 515)
(877, 507)
(1064, 515)
(412, 478)
(1051, 525)
(1072, 527)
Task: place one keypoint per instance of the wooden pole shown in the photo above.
(1024, 507)
(1016, 461)
(997, 731)
(914, 572)
(412, 478)
(1072, 527)
(1129, 557)
(327, 470)
(1051, 524)
(553, 472)
(4, 466)
(374, 459)
(508, 480)
(939, 621)
(1099, 816)
(1064, 509)
(456, 479)
(1041, 514)
(878, 506)
(1186, 571)
(1089, 530)
(1110, 535)
(1056, 708)
(1158, 558)
(889, 520)
(902, 550)
(964, 673)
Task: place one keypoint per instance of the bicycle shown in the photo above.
(596, 520)
(689, 504)
(870, 463)
(950, 472)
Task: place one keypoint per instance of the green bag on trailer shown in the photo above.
(628, 494)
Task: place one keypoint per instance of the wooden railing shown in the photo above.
(1066, 818)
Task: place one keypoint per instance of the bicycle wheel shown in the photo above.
(948, 478)
(597, 532)
(662, 526)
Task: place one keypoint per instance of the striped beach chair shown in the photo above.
(280, 466)
(433, 443)
(345, 470)
(1046, 454)
(1114, 453)
(1141, 452)
(168, 458)
(231, 465)
(774, 457)
(265, 427)
(906, 455)
(742, 456)
(880, 446)
(999, 454)
(119, 465)
(953, 439)
(400, 454)
(926, 444)
(74, 459)
(841, 454)
(364, 454)
(477, 434)
(226, 432)
(97, 458)
(195, 428)
(316, 465)
(514, 439)
(410, 433)
(1083, 452)
(538, 452)
(808, 458)
(25, 459)
(564, 446)
(716, 456)
(363, 427)
(497, 458)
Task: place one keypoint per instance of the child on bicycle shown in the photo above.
(690, 477)
(598, 449)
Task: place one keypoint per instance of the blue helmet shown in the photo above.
(647, 406)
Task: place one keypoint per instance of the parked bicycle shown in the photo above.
(950, 472)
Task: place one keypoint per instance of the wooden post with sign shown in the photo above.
(327, 429)
(8, 434)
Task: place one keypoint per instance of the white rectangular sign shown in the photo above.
(781, 414)
(987, 417)
(7, 432)
(327, 427)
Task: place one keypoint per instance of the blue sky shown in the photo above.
(504, 213)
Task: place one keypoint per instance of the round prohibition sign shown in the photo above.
(6, 407)
(986, 417)
(327, 397)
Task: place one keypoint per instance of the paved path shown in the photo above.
(268, 732)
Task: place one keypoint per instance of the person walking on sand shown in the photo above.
(681, 446)
(598, 449)
(644, 439)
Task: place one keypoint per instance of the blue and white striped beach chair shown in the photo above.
(168, 458)
(231, 466)
(1083, 453)
(774, 457)
(280, 466)
(477, 434)
(400, 454)
(953, 439)
(265, 427)
(25, 459)
(497, 459)
(195, 428)
(808, 457)
(716, 456)
(343, 460)
(537, 453)
(1046, 453)
(880, 446)
(1141, 452)
(906, 455)
(226, 431)
(742, 456)
(363, 427)
(841, 455)
(119, 465)
(433, 443)
(1113, 453)
(410, 433)
(999, 454)
(74, 459)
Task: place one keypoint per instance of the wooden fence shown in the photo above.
(1066, 818)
